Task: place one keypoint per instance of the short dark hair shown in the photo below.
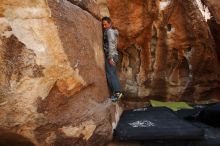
(108, 19)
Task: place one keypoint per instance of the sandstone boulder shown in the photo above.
(52, 74)
(97, 8)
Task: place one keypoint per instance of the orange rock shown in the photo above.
(166, 48)
(52, 74)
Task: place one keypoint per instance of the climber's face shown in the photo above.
(105, 24)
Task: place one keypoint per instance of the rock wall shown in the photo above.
(98, 8)
(52, 80)
(214, 22)
(167, 50)
(53, 88)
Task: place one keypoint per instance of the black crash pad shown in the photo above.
(211, 138)
(154, 124)
(210, 115)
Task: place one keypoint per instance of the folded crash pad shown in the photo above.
(154, 123)
(172, 105)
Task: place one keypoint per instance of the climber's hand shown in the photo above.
(112, 62)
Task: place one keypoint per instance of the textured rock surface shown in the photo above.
(167, 50)
(52, 74)
(214, 23)
(97, 8)
(214, 7)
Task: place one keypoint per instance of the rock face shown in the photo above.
(98, 8)
(214, 22)
(52, 75)
(167, 50)
(53, 88)
(214, 7)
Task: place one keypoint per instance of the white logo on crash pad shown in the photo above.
(143, 124)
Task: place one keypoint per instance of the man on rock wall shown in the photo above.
(110, 38)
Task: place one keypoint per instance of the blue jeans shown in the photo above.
(111, 75)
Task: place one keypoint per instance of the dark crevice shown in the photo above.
(11, 139)
(215, 30)
(169, 27)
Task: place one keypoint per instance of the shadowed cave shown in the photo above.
(11, 139)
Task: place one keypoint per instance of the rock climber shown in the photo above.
(110, 38)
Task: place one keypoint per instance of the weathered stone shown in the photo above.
(214, 23)
(167, 50)
(214, 8)
(53, 88)
(52, 74)
(97, 8)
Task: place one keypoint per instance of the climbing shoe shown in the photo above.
(114, 98)
(118, 95)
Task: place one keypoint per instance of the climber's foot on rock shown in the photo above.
(116, 97)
